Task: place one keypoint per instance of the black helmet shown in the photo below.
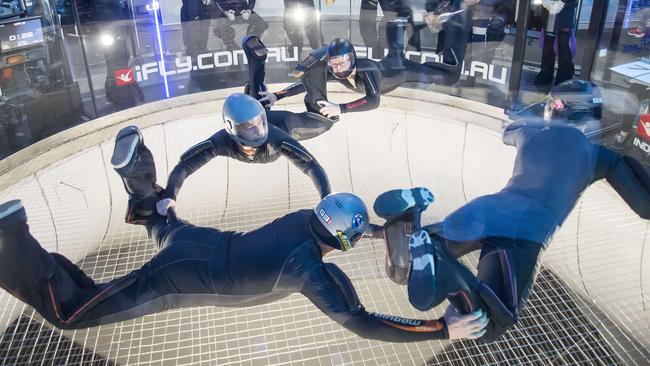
(574, 100)
(341, 58)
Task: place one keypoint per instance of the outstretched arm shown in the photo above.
(191, 160)
(332, 292)
(304, 161)
(372, 98)
(629, 178)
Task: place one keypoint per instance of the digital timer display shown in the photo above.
(20, 33)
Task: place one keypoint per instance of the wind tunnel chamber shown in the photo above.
(74, 72)
(577, 313)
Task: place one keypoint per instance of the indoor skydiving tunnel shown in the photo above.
(74, 73)
(589, 305)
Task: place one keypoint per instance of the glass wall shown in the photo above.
(66, 62)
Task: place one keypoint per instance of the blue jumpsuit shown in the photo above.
(554, 165)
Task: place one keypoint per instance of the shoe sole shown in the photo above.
(125, 148)
(393, 203)
(10, 207)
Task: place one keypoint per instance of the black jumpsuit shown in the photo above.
(554, 165)
(278, 144)
(198, 266)
(372, 78)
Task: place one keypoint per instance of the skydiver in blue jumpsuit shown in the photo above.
(555, 163)
(198, 266)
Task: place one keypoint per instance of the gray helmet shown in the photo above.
(245, 120)
(344, 218)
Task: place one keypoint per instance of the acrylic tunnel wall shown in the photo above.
(591, 303)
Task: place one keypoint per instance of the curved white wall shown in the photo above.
(450, 145)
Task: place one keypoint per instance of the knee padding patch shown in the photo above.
(498, 288)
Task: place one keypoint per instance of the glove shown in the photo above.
(245, 14)
(268, 97)
(206, 2)
(163, 205)
(328, 109)
(468, 326)
(230, 14)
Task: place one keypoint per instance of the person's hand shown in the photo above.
(230, 14)
(245, 14)
(432, 22)
(468, 326)
(268, 97)
(328, 109)
(553, 6)
(163, 205)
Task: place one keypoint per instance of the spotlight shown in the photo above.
(298, 14)
(155, 5)
(106, 39)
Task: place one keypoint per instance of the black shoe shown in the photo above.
(542, 79)
(126, 150)
(252, 45)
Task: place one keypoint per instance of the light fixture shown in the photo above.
(106, 39)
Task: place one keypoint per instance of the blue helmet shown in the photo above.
(245, 120)
(340, 219)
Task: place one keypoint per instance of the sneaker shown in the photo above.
(637, 32)
(393, 203)
(125, 152)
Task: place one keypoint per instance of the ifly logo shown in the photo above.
(643, 127)
(124, 76)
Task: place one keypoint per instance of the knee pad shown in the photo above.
(397, 234)
(498, 289)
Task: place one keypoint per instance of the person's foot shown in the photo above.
(127, 144)
(12, 211)
(393, 203)
(254, 46)
(543, 79)
(637, 32)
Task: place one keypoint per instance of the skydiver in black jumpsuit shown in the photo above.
(272, 142)
(364, 76)
(555, 163)
(199, 266)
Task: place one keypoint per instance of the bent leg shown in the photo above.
(256, 54)
(300, 126)
(507, 270)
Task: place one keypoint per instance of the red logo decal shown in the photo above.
(124, 76)
(643, 127)
(356, 104)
